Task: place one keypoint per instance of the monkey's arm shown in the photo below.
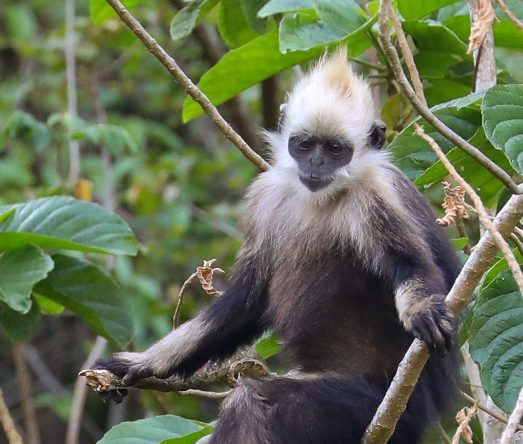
(419, 291)
(231, 320)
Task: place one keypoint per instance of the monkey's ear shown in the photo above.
(377, 135)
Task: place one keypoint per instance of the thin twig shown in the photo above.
(506, 10)
(176, 315)
(407, 54)
(488, 411)
(513, 421)
(7, 422)
(397, 396)
(187, 84)
(368, 64)
(24, 383)
(205, 393)
(455, 138)
(460, 225)
(79, 394)
(483, 215)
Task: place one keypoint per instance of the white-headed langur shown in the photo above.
(342, 258)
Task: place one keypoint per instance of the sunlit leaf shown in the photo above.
(62, 222)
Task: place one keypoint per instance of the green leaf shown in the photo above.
(66, 223)
(414, 156)
(499, 266)
(503, 121)
(88, 292)
(187, 18)
(250, 10)
(414, 9)
(496, 340)
(336, 20)
(153, 430)
(460, 242)
(7, 215)
(233, 25)
(114, 138)
(279, 6)
(100, 10)
(47, 305)
(484, 183)
(268, 345)
(22, 125)
(19, 270)
(19, 327)
(430, 35)
(242, 68)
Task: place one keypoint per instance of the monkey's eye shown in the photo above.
(335, 148)
(305, 144)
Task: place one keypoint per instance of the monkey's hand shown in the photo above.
(430, 320)
(130, 367)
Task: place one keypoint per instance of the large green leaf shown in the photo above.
(413, 9)
(242, 68)
(19, 327)
(188, 17)
(19, 270)
(503, 121)
(334, 21)
(414, 156)
(155, 430)
(112, 137)
(496, 340)
(87, 291)
(61, 222)
(484, 183)
(101, 11)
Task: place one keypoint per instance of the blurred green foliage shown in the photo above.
(179, 186)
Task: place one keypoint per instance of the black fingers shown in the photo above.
(123, 369)
(434, 325)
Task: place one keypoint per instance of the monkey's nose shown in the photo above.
(316, 161)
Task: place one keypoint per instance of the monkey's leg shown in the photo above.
(320, 410)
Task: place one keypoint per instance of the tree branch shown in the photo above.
(7, 422)
(488, 411)
(513, 421)
(483, 216)
(506, 10)
(187, 84)
(245, 362)
(464, 145)
(395, 401)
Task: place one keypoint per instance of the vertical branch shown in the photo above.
(269, 103)
(70, 74)
(24, 383)
(482, 47)
(79, 394)
(513, 421)
(7, 422)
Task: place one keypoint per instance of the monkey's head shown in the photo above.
(328, 135)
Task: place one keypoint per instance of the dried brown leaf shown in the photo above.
(205, 275)
(454, 205)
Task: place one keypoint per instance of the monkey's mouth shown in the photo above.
(315, 183)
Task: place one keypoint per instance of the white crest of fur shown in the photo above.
(330, 101)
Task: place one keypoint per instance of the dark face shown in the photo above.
(318, 158)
